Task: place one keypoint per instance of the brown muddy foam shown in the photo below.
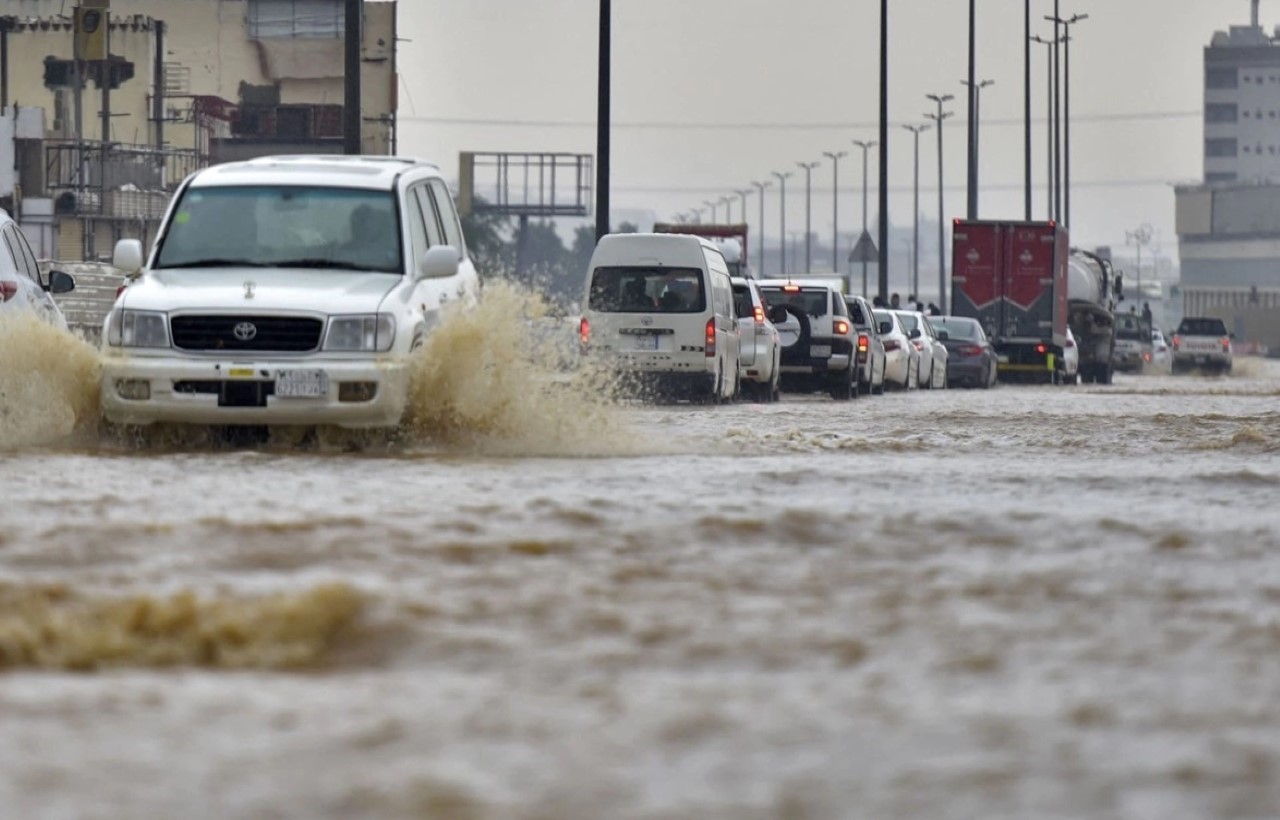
(53, 627)
(48, 384)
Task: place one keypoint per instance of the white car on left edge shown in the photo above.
(285, 290)
(22, 288)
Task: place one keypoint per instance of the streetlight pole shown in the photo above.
(865, 146)
(1026, 92)
(782, 224)
(602, 121)
(808, 201)
(742, 196)
(1139, 237)
(712, 207)
(883, 260)
(1056, 19)
(939, 118)
(975, 134)
(727, 202)
(971, 207)
(835, 157)
(760, 186)
(916, 131)
(1066, 114)
(1049, 122)
(697, 215)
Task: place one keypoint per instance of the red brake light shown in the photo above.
(791, 288)
(891, 344)
(8, 290)
(584, 331)
(970, 350)
(1146, 357)
(842, 327)
(1177, 341)
(1226, 344)
(863, 343)
(1041, 349)
(758, 313)
(711, 337)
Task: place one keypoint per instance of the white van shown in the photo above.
(660, 309)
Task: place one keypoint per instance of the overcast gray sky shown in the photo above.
(799, 78)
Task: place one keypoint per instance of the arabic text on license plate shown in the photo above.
(302, 384)
(820, 351)
(647, 342)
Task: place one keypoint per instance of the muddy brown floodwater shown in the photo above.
(1029, 602)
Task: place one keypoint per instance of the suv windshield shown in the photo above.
(1131, 326)
(1202, 327)
(812, 301)
(283, 226)
(648, 290)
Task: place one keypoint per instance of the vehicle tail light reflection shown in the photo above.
(8, 290)
(1042, 349)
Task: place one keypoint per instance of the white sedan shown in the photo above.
(22, 288)
(901, 359)
(931, 372)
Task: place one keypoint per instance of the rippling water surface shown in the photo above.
(1028, 602)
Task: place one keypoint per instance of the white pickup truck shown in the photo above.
(1201, 343)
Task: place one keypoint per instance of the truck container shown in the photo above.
(1012, 277)
(731, 238)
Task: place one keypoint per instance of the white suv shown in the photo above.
(285, 290)
(817, 338)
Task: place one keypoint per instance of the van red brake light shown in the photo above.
(711, 337)
(8, 290)
(1042, 349)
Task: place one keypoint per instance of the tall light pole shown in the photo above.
(711, 206)
(835, 157)
(971, 206)
(808, 201)
(916, 131)
(727, 202)
(865, 146)
(742, 196)
(1139, 237)
(602, 120)
(1049, 123)
(1056, 19)
(1026, 93)
(975, 155)
(939, 118)
(883, 259)
(760, 186)
(1066, 113)
(782, 217)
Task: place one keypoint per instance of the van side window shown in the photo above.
(448, 216)
(435, 234)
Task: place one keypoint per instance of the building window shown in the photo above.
(1246, 115)
(1221, 148)
(295, 19)
(1246, 149)
(1220, 176)
(1222, 78)
(1221, 112)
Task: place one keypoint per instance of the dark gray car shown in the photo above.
(971, 359)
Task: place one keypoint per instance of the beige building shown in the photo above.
(199, 81)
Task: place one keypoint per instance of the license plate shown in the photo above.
(1002, 359)
(820, 351)
(646, 342)
(302, 384)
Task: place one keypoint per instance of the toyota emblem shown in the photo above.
(245, 331)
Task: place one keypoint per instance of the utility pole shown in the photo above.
(727, 202)
(1026, 92)
(971, 207)
(808, 202)
(1057, 112)
(939, 118)
(1051, 81)
(782, 224)
(712, 207)
(884, 150)
(742, 196)
(760, 186)
(835, 157)
(916, 131)
(602, 119)
(351, 77)
(865, 146)
(1139, 237)
(975, 135)
(1066, 114)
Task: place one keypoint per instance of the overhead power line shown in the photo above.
(683, 125)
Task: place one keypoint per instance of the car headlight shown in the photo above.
(138, 328)
(361, 334)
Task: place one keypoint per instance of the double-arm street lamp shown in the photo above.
(866, 146)
(916, 131)
(1051, 82)
(938, 119)
(782, 226)
(835, 157)
(760, 186)
(808, 201)
(711, 206)
(727, 202)
(975, 159)
(1066, 24)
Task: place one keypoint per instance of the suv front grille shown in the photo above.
(285, 334)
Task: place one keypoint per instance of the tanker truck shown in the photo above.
(1093, 288)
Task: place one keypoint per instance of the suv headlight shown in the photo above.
(138, 328)
(361, 334)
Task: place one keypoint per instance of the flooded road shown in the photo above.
(1029, 602)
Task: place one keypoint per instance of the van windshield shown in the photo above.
(647, 290)
(812, 301)
(283, 226)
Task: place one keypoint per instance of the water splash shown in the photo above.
(48, 384)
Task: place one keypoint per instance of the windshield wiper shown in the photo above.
(214, 263)
(320, 262)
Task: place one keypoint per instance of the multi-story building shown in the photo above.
(189, 82)
(1229, 226)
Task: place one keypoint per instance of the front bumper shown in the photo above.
(360, 393)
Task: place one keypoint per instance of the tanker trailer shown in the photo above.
(1092, 290)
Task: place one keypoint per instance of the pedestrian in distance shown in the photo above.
(1146, 312)
(895, 301)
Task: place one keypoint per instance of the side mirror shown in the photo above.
(61, 282)
(128, 256)
(778, 314)
(440, 262)
(944, 336)
(886, 328)
(915, 334)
